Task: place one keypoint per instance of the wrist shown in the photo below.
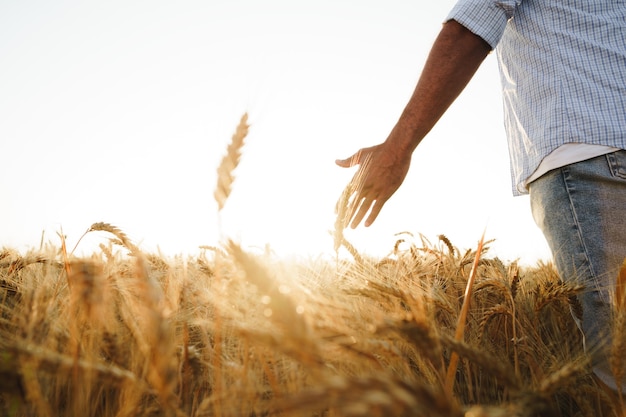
(405, 136)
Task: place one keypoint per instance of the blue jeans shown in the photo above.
(581, 209)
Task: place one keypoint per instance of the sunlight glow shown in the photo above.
(120, 112)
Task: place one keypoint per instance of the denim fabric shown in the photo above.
(581, 209)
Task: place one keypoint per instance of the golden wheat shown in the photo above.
(230, 161)
(148, 336)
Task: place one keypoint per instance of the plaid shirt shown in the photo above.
(563, 71)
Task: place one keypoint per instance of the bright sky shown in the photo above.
(120, 112)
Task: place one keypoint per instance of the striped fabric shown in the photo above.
(563, 71)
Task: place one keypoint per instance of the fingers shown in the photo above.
(359, 199)
(378, 205)
(359, 211)
(359, 208)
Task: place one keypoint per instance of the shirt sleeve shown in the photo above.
(484, 18)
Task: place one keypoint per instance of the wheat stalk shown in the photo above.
(460, 328)
(229, 163)
(223, 188)
(620, 287)
(350, 247)
(619, 345)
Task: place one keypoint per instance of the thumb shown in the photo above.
(348, 162)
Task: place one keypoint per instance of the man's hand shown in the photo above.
(381, 172)
(454, 58)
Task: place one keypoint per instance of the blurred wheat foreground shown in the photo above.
(234, 333)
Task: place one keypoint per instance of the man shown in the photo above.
(563, 74)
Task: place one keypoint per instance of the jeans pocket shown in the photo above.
(617, 163)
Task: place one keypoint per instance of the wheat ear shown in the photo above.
(66, 261)
(115, 231)
(348, 204)
(225, 176)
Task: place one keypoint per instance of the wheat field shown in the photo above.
(429, 330)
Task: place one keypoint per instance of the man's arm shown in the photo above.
(454, 58)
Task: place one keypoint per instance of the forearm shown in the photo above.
(454, 58)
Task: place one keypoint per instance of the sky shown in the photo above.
(120, 112)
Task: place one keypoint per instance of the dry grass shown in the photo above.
(230, 333)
